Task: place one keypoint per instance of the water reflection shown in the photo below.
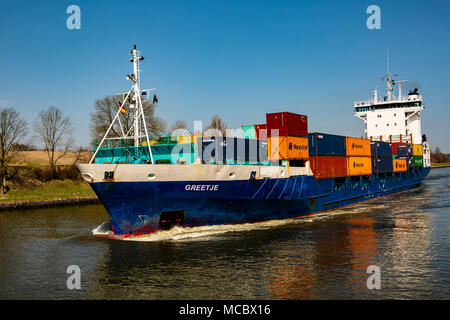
(322, 257)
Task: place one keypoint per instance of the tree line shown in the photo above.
(438, 157)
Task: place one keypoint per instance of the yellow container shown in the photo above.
(417, 150)
(185, 139)
(399, 165)
(287, 148)
(359, 166)
(358, 147)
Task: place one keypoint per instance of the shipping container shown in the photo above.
(328, 166)
(409, 161)
(399, 165)
(249, 132)
(381, 149)
(417, 161)
(402, 149)
(287, 148)
(417, 150)
(224, 149)
(358, 147)
(322, 144)
(287, 124)
(359, 166)
(395, 145)
(382, 165)
(261, 131)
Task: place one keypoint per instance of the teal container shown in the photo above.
(249, 132)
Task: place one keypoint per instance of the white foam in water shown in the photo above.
(102, 230)
(206, 232)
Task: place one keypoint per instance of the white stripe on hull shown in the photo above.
(187, 172)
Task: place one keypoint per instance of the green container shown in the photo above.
(249, 132)
(418, 161)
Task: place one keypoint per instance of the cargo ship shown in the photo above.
(261, 172)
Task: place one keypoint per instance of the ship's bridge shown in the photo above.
(392, 118)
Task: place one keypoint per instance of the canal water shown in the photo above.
(406, 236)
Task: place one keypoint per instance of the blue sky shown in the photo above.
(237, 59)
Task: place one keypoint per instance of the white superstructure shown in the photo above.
(394, 118)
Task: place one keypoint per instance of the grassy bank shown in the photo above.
(440, 165)
(48, 191)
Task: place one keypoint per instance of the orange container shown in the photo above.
(359, 166)
(399, 165)
(287, 148)
(358, 147)
(328, 166)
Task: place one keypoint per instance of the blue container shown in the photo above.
(382, 165)
(381, 149)
(224, 149)
(321, 144)
(262, 150)
(404, 150)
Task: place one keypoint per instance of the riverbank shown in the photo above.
(440, 165)
(47, 194)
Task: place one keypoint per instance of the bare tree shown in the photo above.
(55, 132)
(106, 109)
(12, 129)
(217, 124)
(179, 124)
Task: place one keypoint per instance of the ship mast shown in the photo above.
(134, 99)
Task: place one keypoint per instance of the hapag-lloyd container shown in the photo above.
(382, 164)
(261, 131)
(399, 165)
(287, 124)
(358, 147)
(381, 149)
(321, 144)
(359, 166)
(287, 148)
(328, 166)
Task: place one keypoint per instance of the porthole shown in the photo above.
(87, 176)
(232, 175)
(151, 176)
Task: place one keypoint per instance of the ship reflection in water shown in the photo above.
(320, 257)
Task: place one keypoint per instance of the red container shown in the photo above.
(287, 124)
(328, 166)
(261, 131)
(394, 146)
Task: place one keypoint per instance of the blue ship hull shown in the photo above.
(136, 207)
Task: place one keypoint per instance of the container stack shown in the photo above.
(359, 160)
(327, 155)
(403, 151)
(287, 136)
(417, 155)
(381, 153)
